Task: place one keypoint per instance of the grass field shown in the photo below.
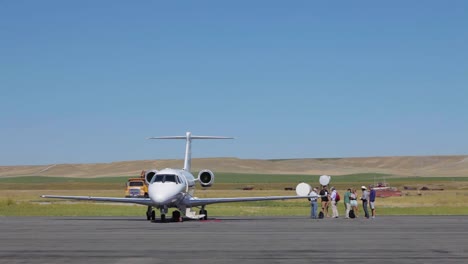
(246, 178)
(20, 196)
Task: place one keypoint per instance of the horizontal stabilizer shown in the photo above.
(191, 137)
(188, 152)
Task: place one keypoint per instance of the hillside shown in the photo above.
(405, 166)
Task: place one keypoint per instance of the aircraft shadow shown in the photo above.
(101, 219)
(211, 219)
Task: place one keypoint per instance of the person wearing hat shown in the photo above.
(365, 199)
(313, 203)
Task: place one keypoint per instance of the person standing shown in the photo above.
(324, 194)
(347, 202)
(333, 202)
(365, 199)
(313, 203)
(372, 200)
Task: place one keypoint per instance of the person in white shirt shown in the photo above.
(333, 203)
(365, 200)
(353, 202)
(313, 203)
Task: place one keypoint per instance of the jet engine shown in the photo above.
(149, 175)
(206, 178)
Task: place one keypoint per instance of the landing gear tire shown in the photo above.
(148, 213)
(203, 211)
(153, 215)
(176, 216)
(163, 218)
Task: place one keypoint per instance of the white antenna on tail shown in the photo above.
(188, 146)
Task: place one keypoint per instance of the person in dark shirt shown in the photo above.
(372, 200)
(325, 200)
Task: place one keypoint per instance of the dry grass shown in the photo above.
(428, 199)
(29, 204)
(453, 200)
(408, 166)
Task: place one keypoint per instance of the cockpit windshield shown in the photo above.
(166, 178)
(170, 178)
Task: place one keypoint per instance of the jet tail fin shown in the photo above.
(188, 146)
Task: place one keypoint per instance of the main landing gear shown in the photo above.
(151, 215)
(176, 217)
(204, 212)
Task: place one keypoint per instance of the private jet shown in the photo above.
(174, 188)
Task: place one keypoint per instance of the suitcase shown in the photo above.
(351, 214)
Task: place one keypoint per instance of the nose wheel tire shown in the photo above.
(163, 218)
(153, 215)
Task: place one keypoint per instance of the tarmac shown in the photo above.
(386, 239)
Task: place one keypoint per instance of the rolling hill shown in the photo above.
(404, 166)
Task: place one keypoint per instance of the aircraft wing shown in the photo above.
(143, 201)
(204, 201)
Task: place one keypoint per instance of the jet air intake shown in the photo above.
(149, 175)
(206, 178)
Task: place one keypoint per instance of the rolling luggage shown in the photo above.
(351, 214)
(320, 215)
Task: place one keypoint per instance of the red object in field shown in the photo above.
(387, 192)
(383, 189)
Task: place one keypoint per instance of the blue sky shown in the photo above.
(88, 81)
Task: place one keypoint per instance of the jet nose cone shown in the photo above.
(155, 194)
(163, 194)
(158, 198)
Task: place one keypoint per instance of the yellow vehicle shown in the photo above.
(136, 187)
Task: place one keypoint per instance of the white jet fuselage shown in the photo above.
(170, 187)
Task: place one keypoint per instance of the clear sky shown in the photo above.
(88, 81)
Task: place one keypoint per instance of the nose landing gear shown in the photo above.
(163, 214)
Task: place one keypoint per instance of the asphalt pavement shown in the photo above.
(386, 239)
